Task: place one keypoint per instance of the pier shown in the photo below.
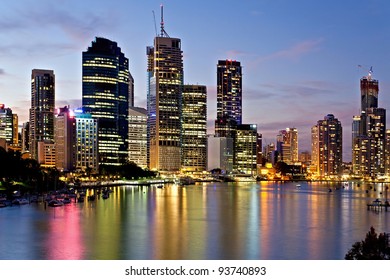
(377, 205)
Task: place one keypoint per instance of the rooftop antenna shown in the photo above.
(163, 32)
(370, 73)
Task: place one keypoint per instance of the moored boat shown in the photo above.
(55, 203)
(20, 201)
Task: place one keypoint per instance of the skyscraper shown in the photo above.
(369, 132)
(137, 136)
(245, 149)
(86, 142)
(164, 102)
(65, 139)
(106, 95)
(229, 97)
(194, 143)
(327, 149)
(220, 153)
(6, 124)
(42, 109)
(287, 145)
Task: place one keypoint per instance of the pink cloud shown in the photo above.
(295, 51)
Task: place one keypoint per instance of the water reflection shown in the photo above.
(209, 221)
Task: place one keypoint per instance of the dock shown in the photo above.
(377, 205)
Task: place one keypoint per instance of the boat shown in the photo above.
(160, 186)
(20, 201)
(66, 200)
(105, 195)
(298, 186)
(55, 203)
(2, 205)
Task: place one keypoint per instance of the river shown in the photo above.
(213, 221)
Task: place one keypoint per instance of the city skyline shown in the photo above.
(290, 52)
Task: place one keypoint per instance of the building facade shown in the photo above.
(87, 149)
(46, 153)
(164, 103)
(137, 136)
(287, 145)
(194, 128)
(327, 139)
(25, 137)
(245, 149)
(42, 109)
(229, 97)
(220, 153)
(7, 125)
(65, 139)
(107, 86)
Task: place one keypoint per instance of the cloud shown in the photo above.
(291, 53)
(2, 72)
(234, 54)
(45, 20)
(71, 103)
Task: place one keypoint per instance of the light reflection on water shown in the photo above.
(209, 221)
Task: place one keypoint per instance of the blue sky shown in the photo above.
(300, 58)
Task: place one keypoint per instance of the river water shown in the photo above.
(213, 221)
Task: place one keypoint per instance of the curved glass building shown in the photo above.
(106, 95)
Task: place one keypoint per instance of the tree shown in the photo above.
(374, 247)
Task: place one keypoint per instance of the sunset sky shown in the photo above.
(300, 58)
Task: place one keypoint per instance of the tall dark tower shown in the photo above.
(369, 90)
(369, 132)
(106, 95)
(229, 97)
(42, 109)
(164, 102)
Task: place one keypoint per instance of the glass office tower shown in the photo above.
(106, 95)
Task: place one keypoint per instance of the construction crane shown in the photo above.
(155, 25)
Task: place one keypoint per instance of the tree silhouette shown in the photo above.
(373, 247)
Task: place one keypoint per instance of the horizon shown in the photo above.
(301, 61)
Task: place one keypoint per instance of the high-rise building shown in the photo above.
(42, 109)
(314, 166)
(46, 151)
(6, 124)
(25, 137)
(194, 138)
(245, 149)
(229, 97)
(327, 147)
(15, 131)
(87, 149)
(137, 136)
(269, 152)
(369, 132)
(65, 139)
(164, 102)
(287, 145)
(259, 148)
(106, 95)
(387, 153)
(220, 153)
